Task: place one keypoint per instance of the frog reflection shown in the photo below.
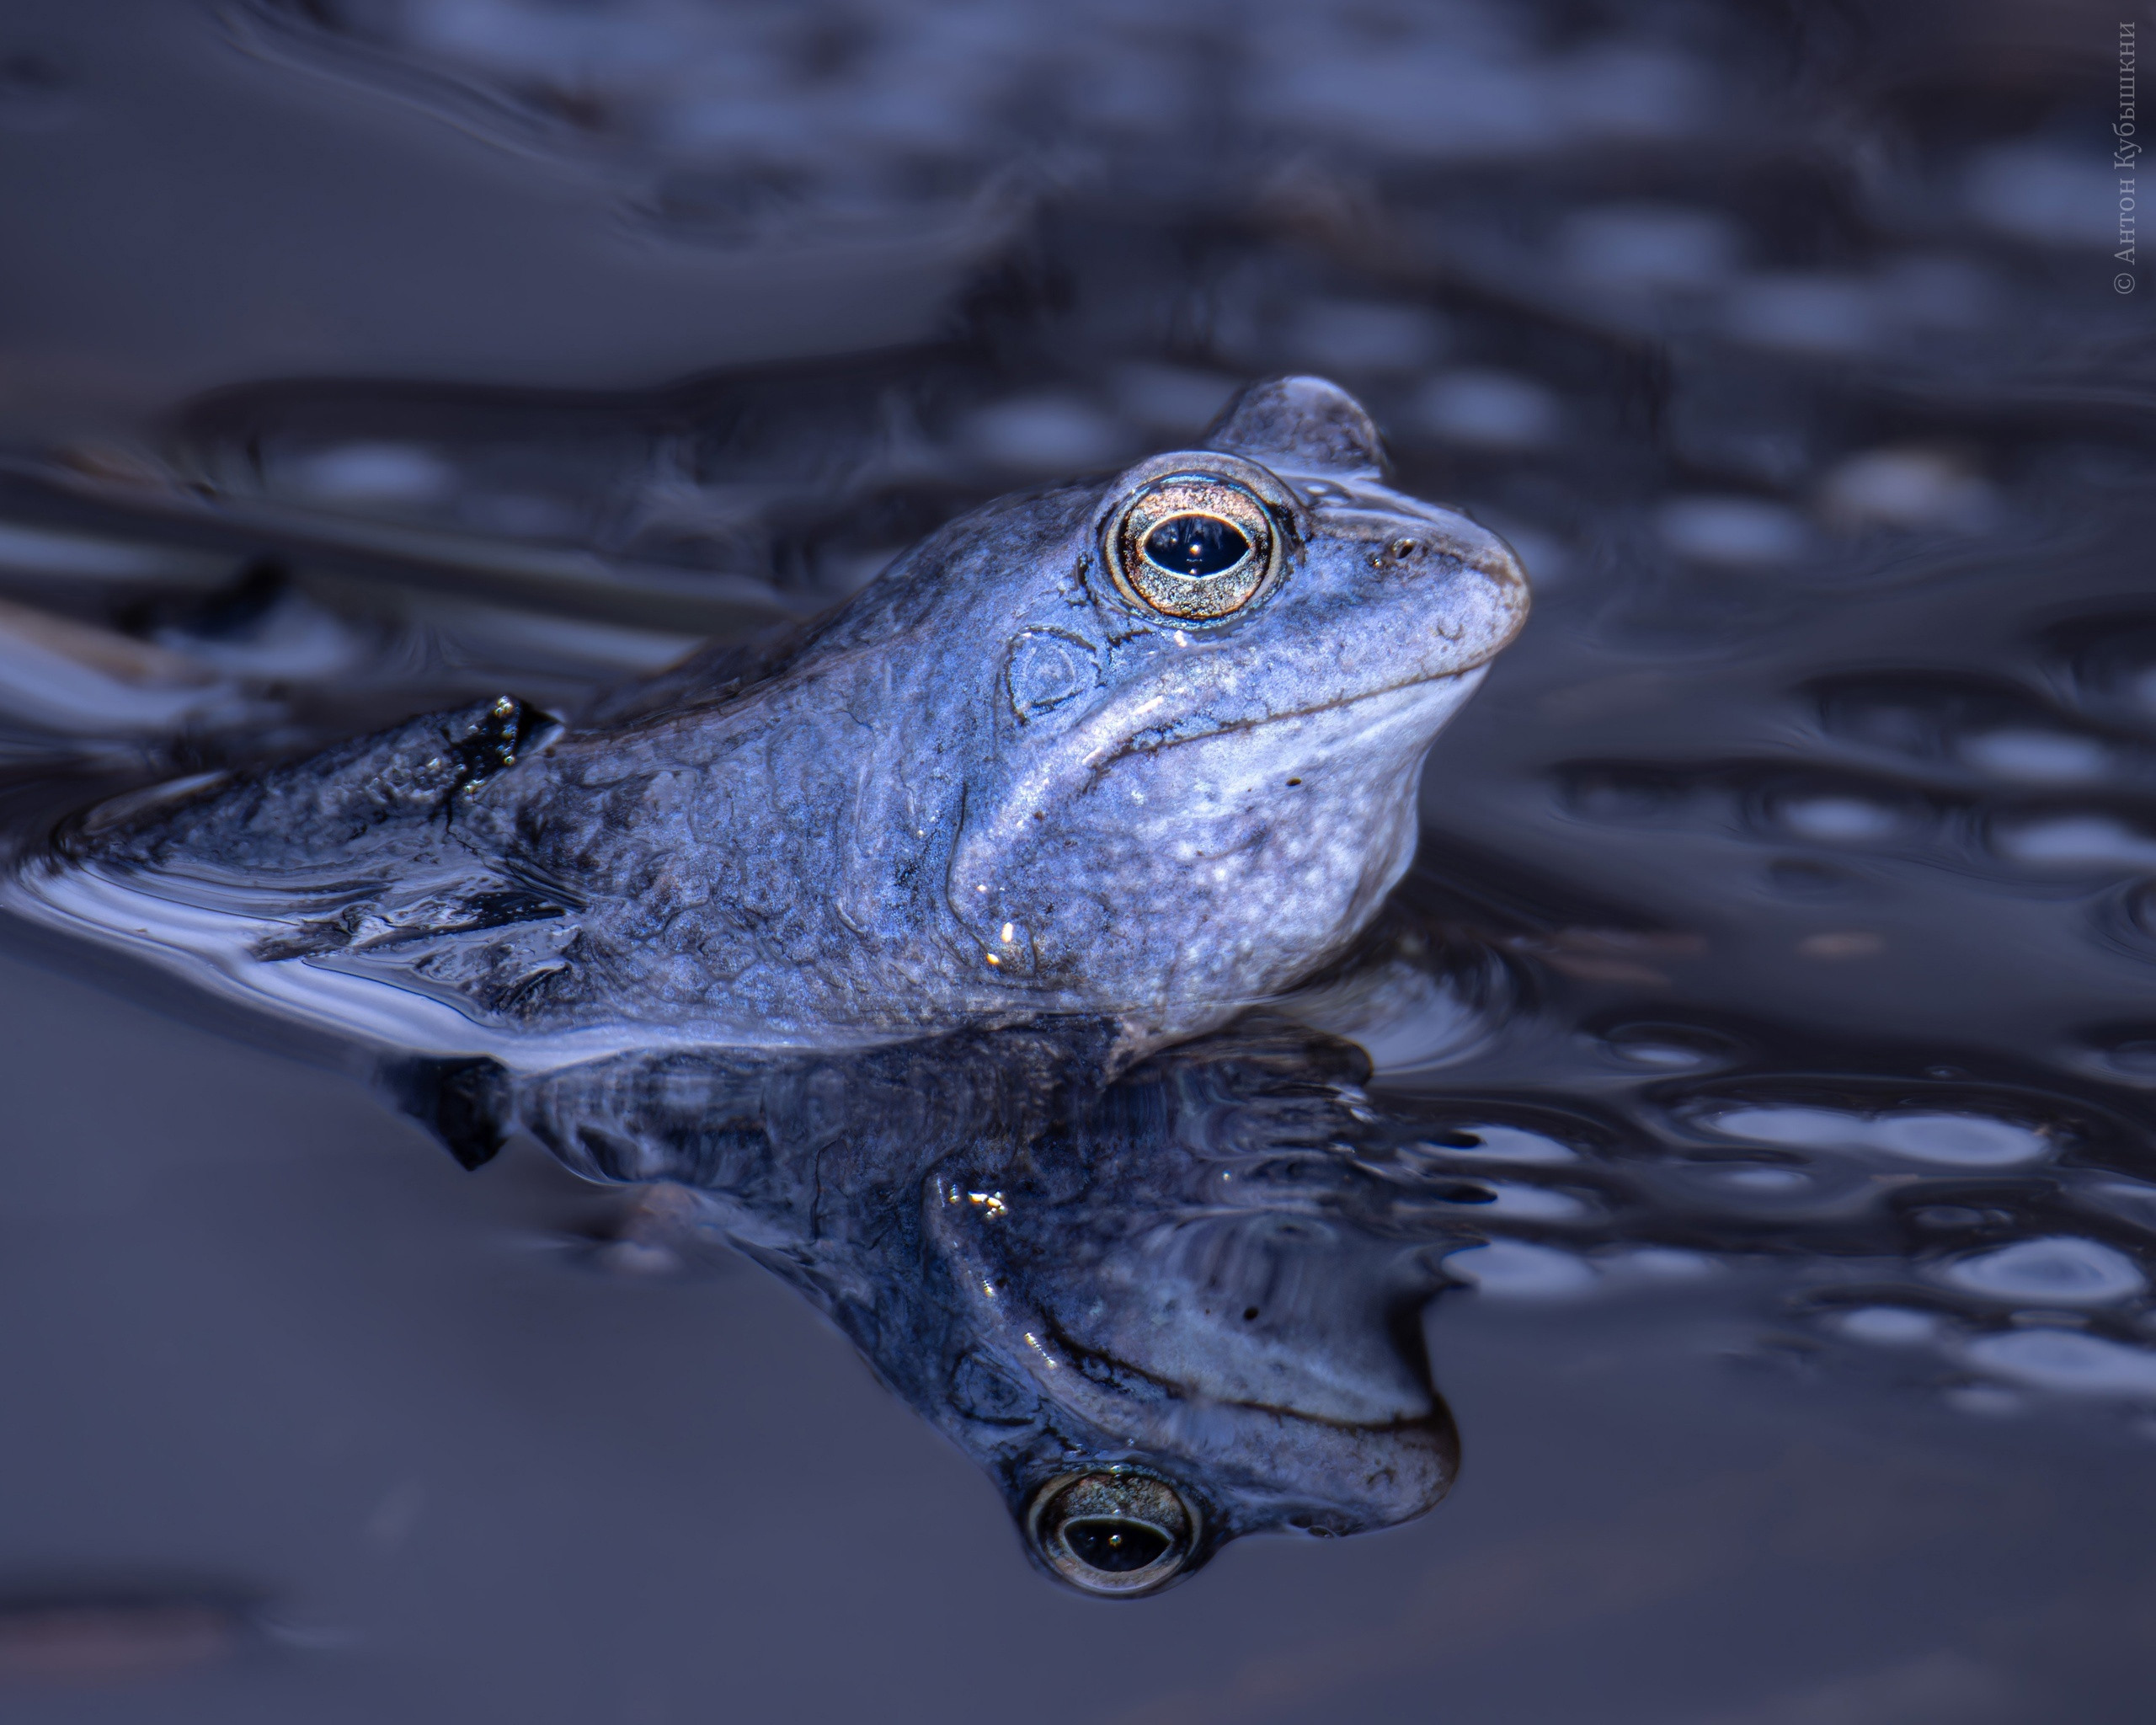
(1145, 750)
(1161, 1312)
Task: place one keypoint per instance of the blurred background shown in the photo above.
(361, 355)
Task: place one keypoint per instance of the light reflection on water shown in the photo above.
(1778, 953)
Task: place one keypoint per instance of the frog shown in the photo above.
(1143, 748)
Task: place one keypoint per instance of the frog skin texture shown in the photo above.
(997, 784)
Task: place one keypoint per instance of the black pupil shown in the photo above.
(1196, 546)
(1117, 1547)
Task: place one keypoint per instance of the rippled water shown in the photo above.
(1733, 1136)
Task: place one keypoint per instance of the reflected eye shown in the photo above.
(1193, 547)
(1113, 1533)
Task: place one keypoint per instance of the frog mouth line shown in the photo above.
(1347, 700)
(1245, 726)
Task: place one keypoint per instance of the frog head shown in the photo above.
(1213, 695)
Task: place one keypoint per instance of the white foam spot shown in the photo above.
(1434, 104)
(1664, 1263)
(1765, 1180)
(1535, 1203)
(1045, 434)
(1488, 410)
(374, 473)
(1366, 336)
(1841, 819)
(1888, 1326)
(1650, 246)
(2037, 757)
(2066, 1361)
(1625, 91)
(1511, 1269)
(1739, 532)
(2133, 1199)
(1506, 1144)
(1944, 1139)
(1172, 399)
(41, 551)
(2076, 841)
(1805, 313)
(1959, 1141)
(1907, 489)
(2040, 192)
(1662, 1056)
(2060, 1271)
(1812, 1126)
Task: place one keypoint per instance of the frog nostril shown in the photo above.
(1396, 553)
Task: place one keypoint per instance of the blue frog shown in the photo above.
(1144, 749)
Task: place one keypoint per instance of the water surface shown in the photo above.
(1757, 1058)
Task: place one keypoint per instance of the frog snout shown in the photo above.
(1474, 590)
(1506, 587)
(1487, 562)
(1496, 563)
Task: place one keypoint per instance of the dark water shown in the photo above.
(1755, 1066)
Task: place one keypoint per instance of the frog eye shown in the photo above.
(1193, 546)
(1116, 1532)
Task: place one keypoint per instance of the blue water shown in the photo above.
(1759, 1051)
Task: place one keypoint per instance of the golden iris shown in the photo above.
(1193, 546)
